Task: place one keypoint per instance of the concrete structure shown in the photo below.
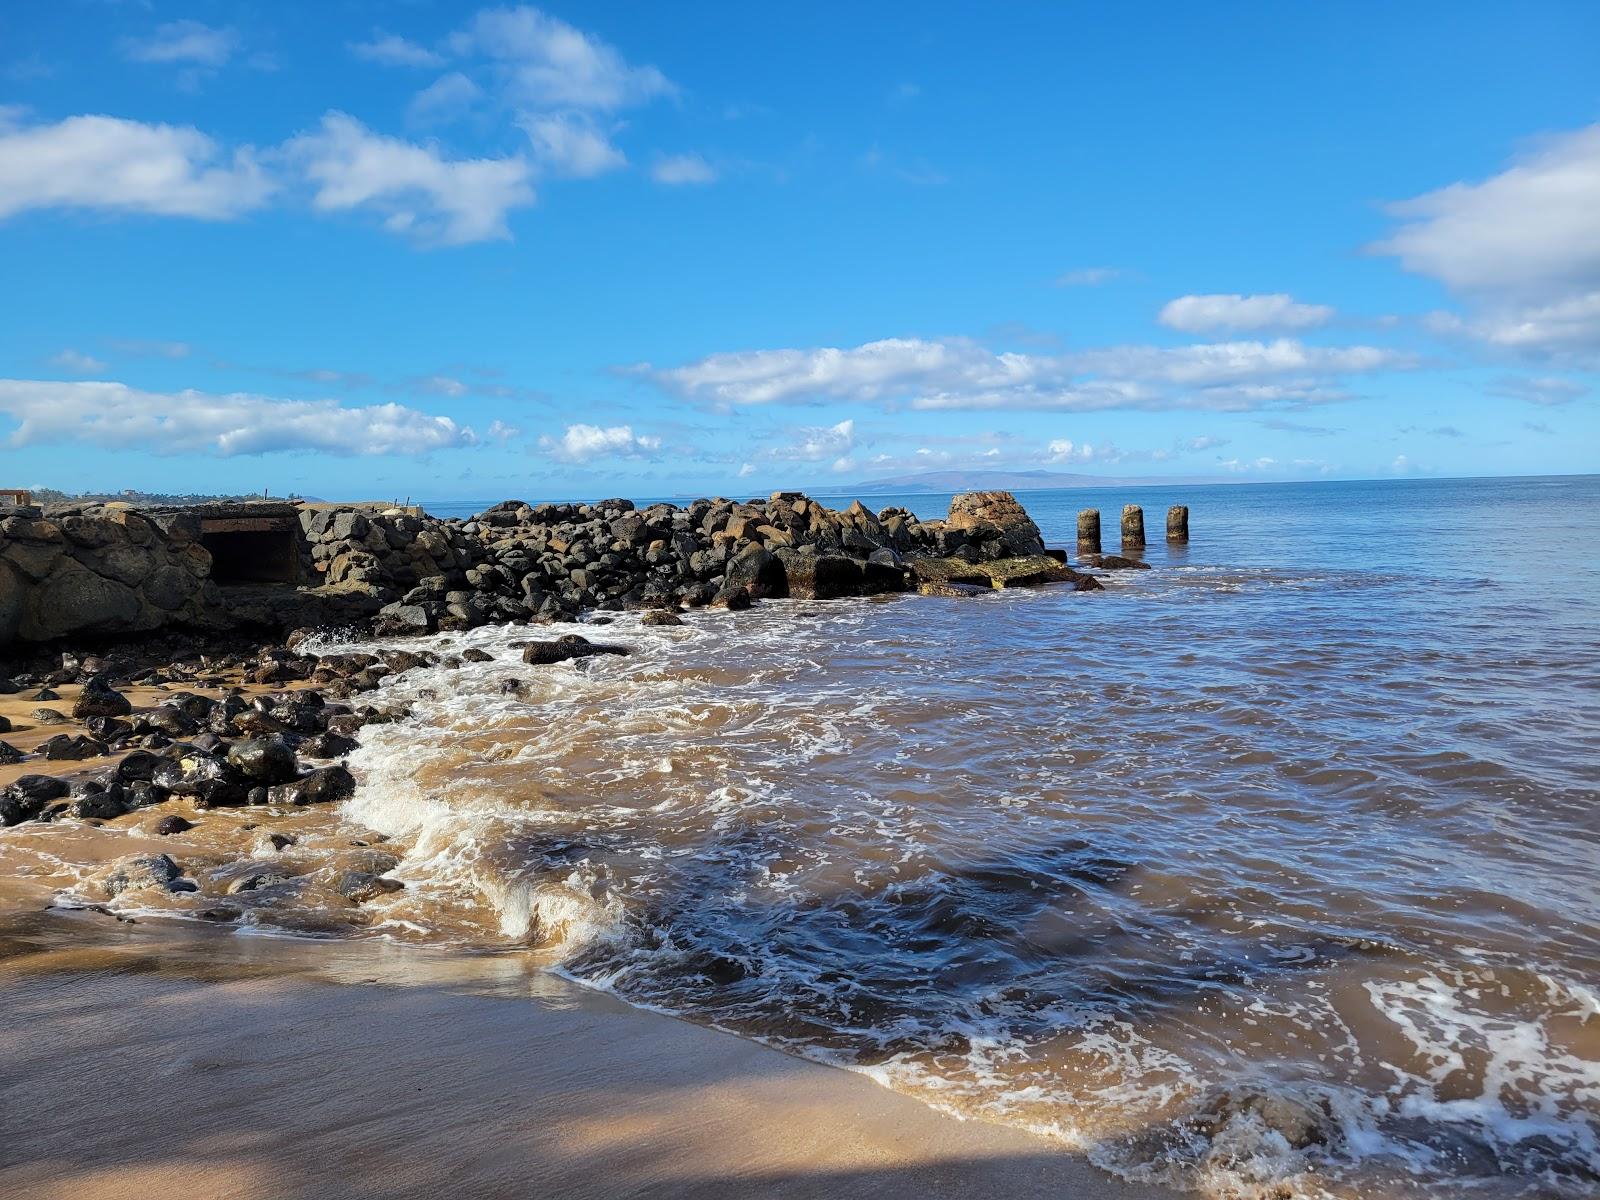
(1089, 531)
(1132, 527)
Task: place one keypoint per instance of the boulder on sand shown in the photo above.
(100, 699)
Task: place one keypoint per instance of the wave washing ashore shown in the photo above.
(1267, 871)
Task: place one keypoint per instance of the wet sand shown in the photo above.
(140, 1060)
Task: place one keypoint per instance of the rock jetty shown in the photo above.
(109, 571)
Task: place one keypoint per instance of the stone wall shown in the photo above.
(97, 570)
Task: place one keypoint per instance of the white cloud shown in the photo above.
(420, 194)
(678, 169)
(499, 431)
(1087, 277)
(549, 64)
(580, 443)
(747, 470)
(113, 165)
(1065, 450)
(570, 144)
(77, 362)
(1239, 465)
(1204, 442)
(961, 374)
(815, 443)
(191, 422)
(1572, 323)
(1233, 313)
(1522, 247)
(1549, 391)
(183, 42)
(445, 99)
(1530, 228)
(393, 51)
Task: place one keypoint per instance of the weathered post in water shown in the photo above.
(1132, 527)
(1178, 523)
(1089, 531)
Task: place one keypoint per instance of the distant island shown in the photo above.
(148, 499)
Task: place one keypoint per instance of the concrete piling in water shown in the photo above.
(1132, 527)
(1178, 523)
(1089, 531)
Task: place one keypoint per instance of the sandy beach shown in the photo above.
(140, 1061)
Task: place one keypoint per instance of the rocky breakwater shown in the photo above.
(107, 571)
(97, 570)
(553, 561)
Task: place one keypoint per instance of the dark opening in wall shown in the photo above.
(252, 551)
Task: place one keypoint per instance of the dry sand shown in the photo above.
(140, 1061)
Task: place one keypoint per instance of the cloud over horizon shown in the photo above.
(117, 416)
(956, 373)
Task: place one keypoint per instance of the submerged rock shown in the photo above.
(361, 886)
(1113, 562)
(136, 873)
(568, 646)
(325, 785)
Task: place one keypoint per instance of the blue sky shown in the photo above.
(357, 249)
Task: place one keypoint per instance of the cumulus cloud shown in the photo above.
(570, 144)
(499, 431)
(581, 443)
(187, 42)
(191, 422)
(1236, 313)
(77, 362)
(1570, 324)
(112, 165)
(1548, 391)
(419, 193)
(1065, 450)
(547, 63)
(678, 169)
(1521, 247)
(961, 374)
(390, 50)
(815, 443)
(445, 99)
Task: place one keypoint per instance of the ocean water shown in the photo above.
(1271, 871)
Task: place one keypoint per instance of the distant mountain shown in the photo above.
(1010, 481)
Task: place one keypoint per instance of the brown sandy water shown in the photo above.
(1270, 871)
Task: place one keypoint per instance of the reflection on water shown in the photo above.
(1270, 868)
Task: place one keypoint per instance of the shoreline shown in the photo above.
(184, 1058)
